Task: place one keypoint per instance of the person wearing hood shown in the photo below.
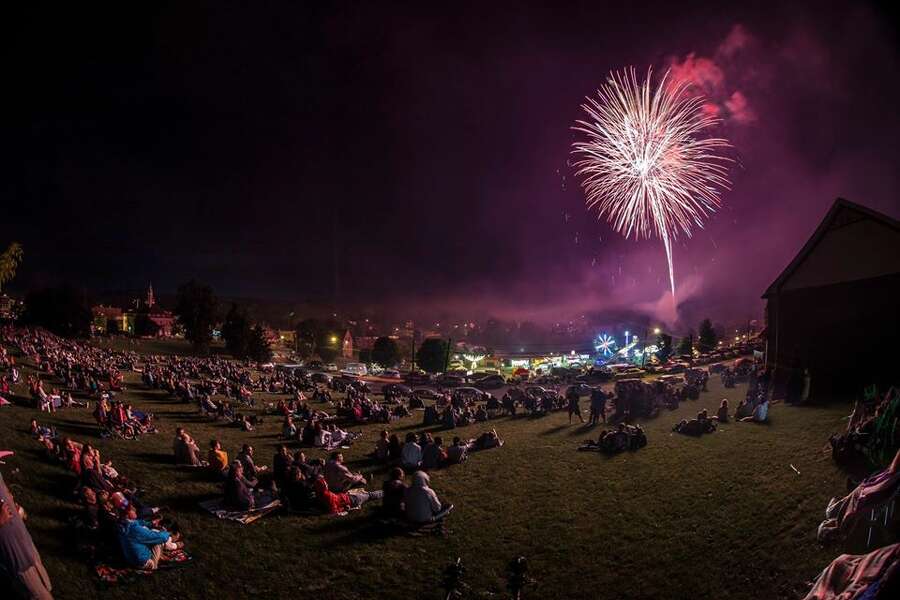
(421, 502)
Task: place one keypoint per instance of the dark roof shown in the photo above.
(820, 232)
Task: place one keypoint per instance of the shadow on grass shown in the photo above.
(556, 429)
(77, 428)
(159, 458)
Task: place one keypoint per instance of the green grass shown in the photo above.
(723, 516)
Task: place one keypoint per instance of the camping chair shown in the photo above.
(881, 515)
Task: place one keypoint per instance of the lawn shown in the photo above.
(723, 516)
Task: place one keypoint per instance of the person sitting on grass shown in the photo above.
(434, 456)
(458, 452)
(251, 470)
(394, 448)
(297, 490)
(394, 489)
(722, 414)
(411, 454)
(186, 450)
(288, 430)
(217, 458)
(239, 490)
(281, 462)
(142, 546)
(421, 503)
(382, 447)
(339, 477)
(760, 413)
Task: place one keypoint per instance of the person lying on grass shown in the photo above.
(696, 427)
(624, 437)
(341, 502)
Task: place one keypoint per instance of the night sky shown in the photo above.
(423, 148)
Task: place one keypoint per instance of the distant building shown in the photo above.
(347, 345)
(112, 319)
(833, 309)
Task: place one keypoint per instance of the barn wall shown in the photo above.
(862, 249)
(846, 334)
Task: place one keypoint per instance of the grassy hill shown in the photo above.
(723, 516)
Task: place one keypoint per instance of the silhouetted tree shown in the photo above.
(664, 345)
(58, 309)
(9, 262)
(385, 352)
(236, 332)
(258, 346)
(431, 355)
(708, 339)
(196, 310)
(684, 346)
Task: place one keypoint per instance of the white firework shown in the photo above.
(643, 163)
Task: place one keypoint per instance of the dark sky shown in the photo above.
(422, 148)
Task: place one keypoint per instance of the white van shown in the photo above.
(355, 370)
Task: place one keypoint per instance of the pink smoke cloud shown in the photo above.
(739, 109)
(710, 77)
(737, 40)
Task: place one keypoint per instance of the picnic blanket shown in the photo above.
(114, 575)
(849, 576)
(217, 507)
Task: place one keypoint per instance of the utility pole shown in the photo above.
(447, 357)
(414, 351)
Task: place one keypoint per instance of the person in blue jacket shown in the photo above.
(141, 545)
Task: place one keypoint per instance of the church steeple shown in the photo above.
(151, 300)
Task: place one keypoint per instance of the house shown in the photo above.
(834, 308)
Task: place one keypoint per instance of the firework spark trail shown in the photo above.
(643, 165)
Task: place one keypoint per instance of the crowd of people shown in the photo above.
(115, 524)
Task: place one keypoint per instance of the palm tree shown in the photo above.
(9, 261)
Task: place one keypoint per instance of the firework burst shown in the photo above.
(643, 163)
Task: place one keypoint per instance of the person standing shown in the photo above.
(19, 559)
(574, 408)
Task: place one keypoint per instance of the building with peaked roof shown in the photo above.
(834, 308)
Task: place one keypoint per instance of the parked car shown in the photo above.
(490, 382)
(323, 378)
(355, 370)
(425, 394)
(331, 368)
(448, 380)
(417, 378)
(470, 394)
(315, 365)
(390, 374)
(396, 389)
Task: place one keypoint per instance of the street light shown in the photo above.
(657, 330)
